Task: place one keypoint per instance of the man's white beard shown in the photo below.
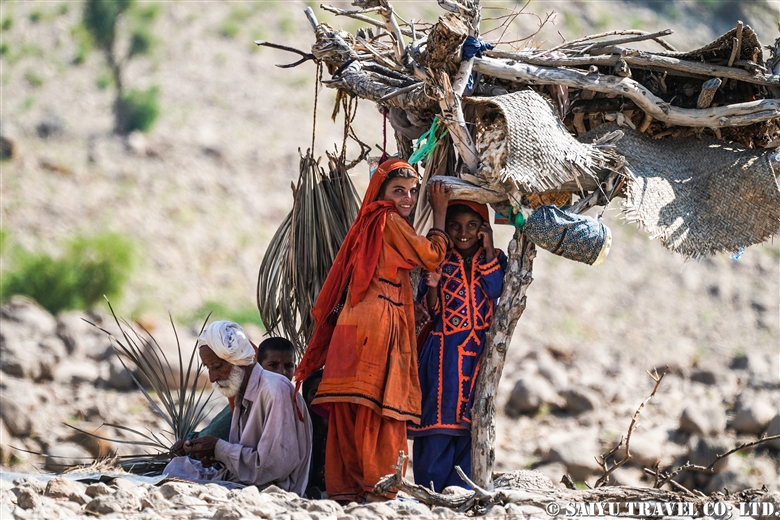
(229, 387)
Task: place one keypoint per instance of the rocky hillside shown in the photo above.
(202, 193)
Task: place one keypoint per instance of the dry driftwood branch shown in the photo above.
(574, 43)
(656, 36)
(740, 114)
(667, 478)
(737, 44)
(518, 276)
(359, 83)
(631, 427)
(708, 90)
(389, 483)
(638, 59)
(358, 15)
(305, 55)
(612, 499)
(452, 116)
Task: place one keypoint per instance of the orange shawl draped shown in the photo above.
(356, 261)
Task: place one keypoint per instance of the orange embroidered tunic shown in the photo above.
(372, 356)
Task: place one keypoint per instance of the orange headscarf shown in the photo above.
(355, 262)
(476, 207)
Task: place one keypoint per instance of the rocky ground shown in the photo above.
(201, 196)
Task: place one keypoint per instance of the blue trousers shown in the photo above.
(435, 458)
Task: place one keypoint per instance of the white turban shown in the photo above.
(228, 341)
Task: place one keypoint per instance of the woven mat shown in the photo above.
(720, 49)
(541, 154)
(700, 197)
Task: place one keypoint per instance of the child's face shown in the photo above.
(280, 362)
(463, 229)
(403, 193)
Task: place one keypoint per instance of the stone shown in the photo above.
(39, 486)
(116, 376)
(103, 505)
(552, 370)
(37, 321)
(442, 512)
(229, 512)
(98, 489)
(76, 372)
(772, 430)
(79, 498)
(552, 470)
(529, 394)
(65, 455)
(647, 447)
(155, 501)
(704, 451)
(363, 512)
(772, 507)
(496, 511)
(408, 507)
(580, 400)
(576, 452)
(63, 487)
(524, 479)
(753, 416)
(707, 419)
(514, 511)
(733, 479)
(323, 506)
(19, 404)
(82, 339)
(20, 359)
(51, 125)
(28, 499)
(173, 489)
(5, 444)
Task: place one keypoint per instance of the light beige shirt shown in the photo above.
(269, 443)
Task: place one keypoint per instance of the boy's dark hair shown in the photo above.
(274, 345)
(459, 209)
(313, 379)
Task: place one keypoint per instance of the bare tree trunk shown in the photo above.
(517, 278)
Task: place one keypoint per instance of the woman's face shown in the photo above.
(403, 193)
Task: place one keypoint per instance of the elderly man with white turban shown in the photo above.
(270, 432)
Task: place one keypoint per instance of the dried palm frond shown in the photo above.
(181, 404)
(303, 249)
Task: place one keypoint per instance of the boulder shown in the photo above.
(66, 455)
(772, 430)
(20, 401)
(63, 488)
(552, 470)
(732, 479)
(116, 376)
(649, 447)
(529, 394)
(753, 415)
(580, 400)
(76, 372)
(82, 339)
(704, 451)
(37, 321)
(524, 479)
(576, 451)
(707, 419)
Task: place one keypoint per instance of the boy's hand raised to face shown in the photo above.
(485, 234)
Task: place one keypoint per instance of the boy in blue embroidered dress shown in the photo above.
(460, 298)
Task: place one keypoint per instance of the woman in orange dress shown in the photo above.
(365, 334)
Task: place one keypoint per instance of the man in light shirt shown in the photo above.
(270, 432)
